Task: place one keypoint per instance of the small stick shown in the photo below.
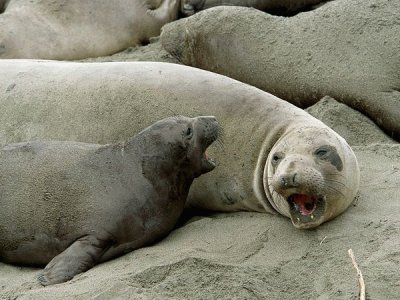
(359, 275)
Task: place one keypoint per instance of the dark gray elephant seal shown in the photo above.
(72, 204)
(190, 7)
(346, 49)
(76, 29)
(110, 101)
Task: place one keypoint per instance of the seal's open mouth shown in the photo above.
(207, 163)
(306, 209)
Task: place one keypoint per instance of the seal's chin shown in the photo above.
(207, 164)
(306, 211)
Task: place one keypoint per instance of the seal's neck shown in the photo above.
(260, 179)
(169, 177)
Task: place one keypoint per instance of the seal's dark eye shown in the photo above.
(321, 152)
(189, 132)
(276, 158)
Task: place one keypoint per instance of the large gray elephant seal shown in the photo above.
(190, 7)
(97, 102)
(76, 29)
(72, 204)
(347, 49)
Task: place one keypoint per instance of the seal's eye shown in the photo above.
(189, 133)
(321, 152)
(276, 158)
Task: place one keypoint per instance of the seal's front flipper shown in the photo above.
(77, 258)
(166, 12)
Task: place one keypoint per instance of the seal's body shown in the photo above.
(73, 204)
(111, 101)
(77, 29)
(190, 7)
(300, 58)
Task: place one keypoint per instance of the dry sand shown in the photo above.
(253, 255)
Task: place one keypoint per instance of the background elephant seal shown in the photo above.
(72, 205)
(347, 49)
(189, 7)
(111, 101)
(77, 29)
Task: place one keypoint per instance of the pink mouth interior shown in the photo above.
(205, 155)
(306, 204)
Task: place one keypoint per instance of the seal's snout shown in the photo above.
(209, 131)
(302, 186)
(212, 129)
(289, 180)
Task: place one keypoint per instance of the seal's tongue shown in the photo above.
(305, 204)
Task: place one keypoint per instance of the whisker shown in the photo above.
(335, 181)
(331, 188)
(335, 174)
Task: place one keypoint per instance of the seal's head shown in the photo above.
(177, 145)
(312, 175)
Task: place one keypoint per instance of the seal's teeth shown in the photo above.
(312, 217)
(212, 161)
(298, 219)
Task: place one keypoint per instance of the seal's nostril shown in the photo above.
(289, 180)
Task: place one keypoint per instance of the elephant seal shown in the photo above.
(190, 7)
(75, 29)
(111, 101)
(71, 205)
(300, 58)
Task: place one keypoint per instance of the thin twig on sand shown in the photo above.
(359, 275)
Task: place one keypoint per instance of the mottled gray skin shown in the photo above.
(75, 29)
(190, 7)
(100, 102)
(71, 205)
(347, 49)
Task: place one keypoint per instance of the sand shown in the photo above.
(253, 255)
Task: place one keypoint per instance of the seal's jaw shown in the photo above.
(207, 164)
(207, 131)
(306, 211)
